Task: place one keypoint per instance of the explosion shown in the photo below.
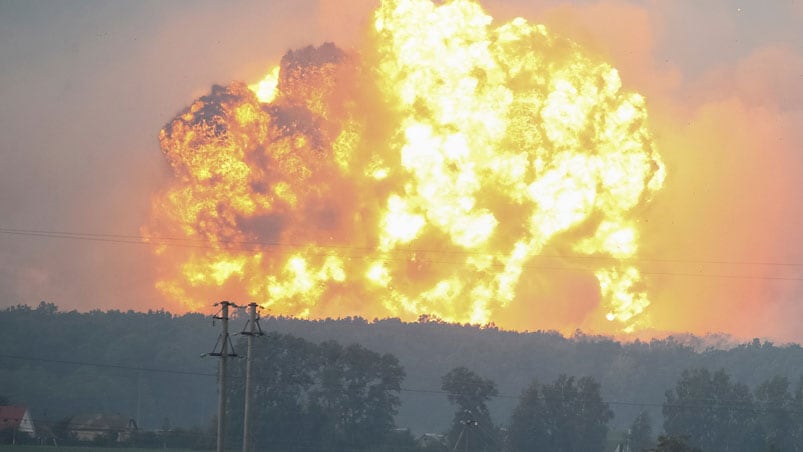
(426, 175)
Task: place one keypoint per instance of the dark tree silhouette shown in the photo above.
(472, 428)
(775, 405)
(640, 436)
(565, 416)
(713, 412)
(320, 396)
(673, 444)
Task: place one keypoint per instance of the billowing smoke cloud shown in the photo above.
(720, 241)
(720, 80)
(439, 172)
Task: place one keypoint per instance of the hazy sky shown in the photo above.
(86, 86)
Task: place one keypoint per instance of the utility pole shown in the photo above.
(253, 330)
(468, 423)
(139, 396)
(226, 349)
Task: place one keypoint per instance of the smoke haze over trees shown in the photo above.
(149, 367)
(317, 395)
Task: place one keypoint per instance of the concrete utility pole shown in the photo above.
(468, 423)
(226, 350)
(253, 330)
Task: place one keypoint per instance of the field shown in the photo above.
(28, 448)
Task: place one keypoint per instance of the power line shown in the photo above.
(692, 403)
(396, 255)
(209, 243)
(107, 365)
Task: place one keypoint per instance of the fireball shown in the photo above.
(426, 174)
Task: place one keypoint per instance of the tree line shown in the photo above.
(716, 413)
(148, 366)
(318, 396)
(332, 397)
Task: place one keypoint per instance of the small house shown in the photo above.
(16, 418)
(90, 427)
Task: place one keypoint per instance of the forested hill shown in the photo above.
(633, 376)
(149, 365)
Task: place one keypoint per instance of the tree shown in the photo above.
(592, 416)
(775, 404)
(673, 444)
(713, 412)
(319, 396)
(359, 394)
(472, 427)
(640, 435)
(565, 417)
(283, 373)
(528, 429)
(797, 414)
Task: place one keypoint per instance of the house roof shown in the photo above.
(11, 416)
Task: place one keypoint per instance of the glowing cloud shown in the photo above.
(423, 176)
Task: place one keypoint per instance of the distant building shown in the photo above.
(17, 419)
(89, 427)
(622, 447)
(432, 441)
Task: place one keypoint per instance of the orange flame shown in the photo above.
(429, 175)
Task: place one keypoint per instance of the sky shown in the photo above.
(86, 87)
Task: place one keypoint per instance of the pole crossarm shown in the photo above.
(254, 330)
(224, 348)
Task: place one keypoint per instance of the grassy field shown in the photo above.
(10, 448)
